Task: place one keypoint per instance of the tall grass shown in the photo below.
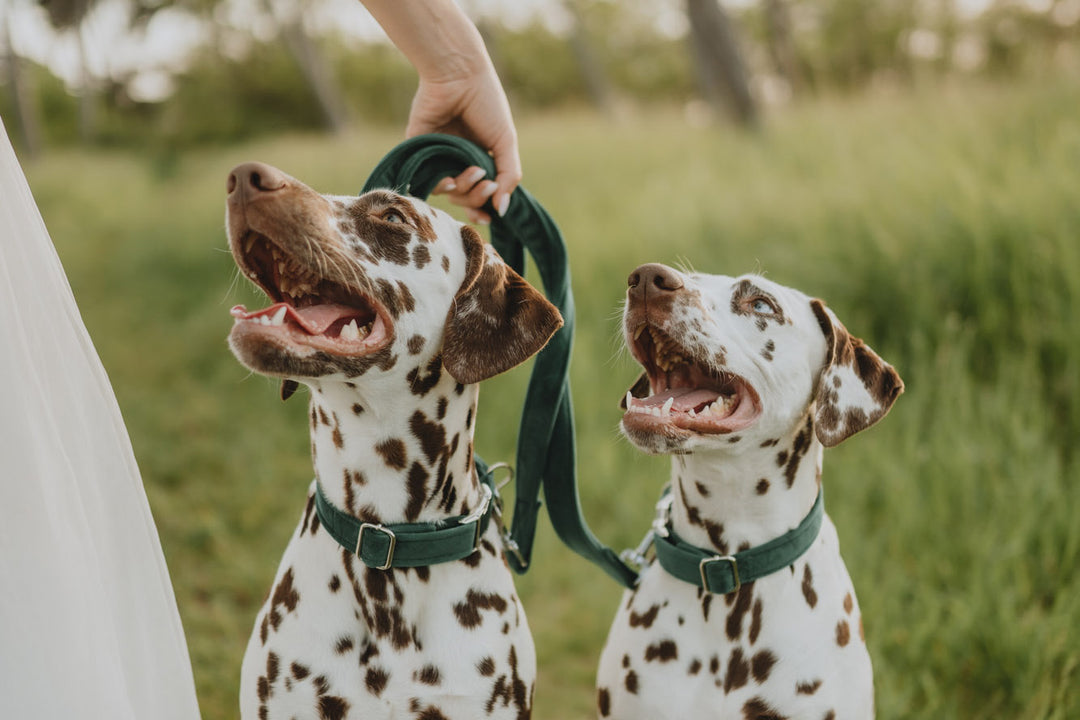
(942, 228)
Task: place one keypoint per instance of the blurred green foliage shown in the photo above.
(941, 227)
(836, 46)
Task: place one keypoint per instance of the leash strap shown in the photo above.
(545, 451)
(406, 545)
(723, 574)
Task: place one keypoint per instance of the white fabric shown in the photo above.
(88, 621)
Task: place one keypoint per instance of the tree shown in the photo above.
(721, 71)
(68, 16)
(26, 112)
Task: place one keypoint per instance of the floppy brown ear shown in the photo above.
(497, 320)
(856, 387)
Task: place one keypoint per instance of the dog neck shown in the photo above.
(407, 460)
(730, 501)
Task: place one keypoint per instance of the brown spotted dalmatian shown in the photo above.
(390, 312)
(745, 382)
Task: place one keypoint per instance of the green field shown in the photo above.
(942, 227)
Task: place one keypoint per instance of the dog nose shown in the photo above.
(653, 278)
(254, 177)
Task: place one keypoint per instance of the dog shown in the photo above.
(390, 312)
(745, 383)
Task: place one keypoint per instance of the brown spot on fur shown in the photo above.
(335, 583)
(742, 606)
(421, 383)
(714, 664)
(376, 679)
(445, 264)
(663, 651)
(332, 707)
(849, 603)
(486, 666)
(344, 645)
(603, 702)
(468, 612)
(392, 452)
(428, 675)
(762, 486)
(432, 435)
(417, 487)
(807, 688)
(755, 621)
(695, 667)
(631, 682)
(416, 344)
(738, 671)
(645, 619)
(808, 587)
(357, 409)
(843, 633)
(757, 709)
(761, 665)
(421, 256)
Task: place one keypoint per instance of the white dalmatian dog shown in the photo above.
(390, 312)
(745, 382)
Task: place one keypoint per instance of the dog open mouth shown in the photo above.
(684, 392)
(307, 309)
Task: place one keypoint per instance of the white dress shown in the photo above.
(88, 621)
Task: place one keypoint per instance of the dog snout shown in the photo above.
(253, 178)
(653, 279)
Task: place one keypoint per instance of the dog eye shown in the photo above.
(763, 307)
(393, 216)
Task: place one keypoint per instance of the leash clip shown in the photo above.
(509, 544)
(476, 515)
(636, 556)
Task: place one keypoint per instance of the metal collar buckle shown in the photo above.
(389, 551)
(719, 558)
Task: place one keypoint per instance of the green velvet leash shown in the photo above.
(545, 453)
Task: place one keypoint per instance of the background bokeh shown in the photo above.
(915, 164)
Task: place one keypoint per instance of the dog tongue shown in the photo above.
(315, 319)
(685, 398)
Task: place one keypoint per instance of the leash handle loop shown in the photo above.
(545, 452)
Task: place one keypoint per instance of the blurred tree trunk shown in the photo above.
(88, 94)
(721, 71)
(317, 72)
(26, 112)
(597, 85)
(68, 16)
(782, 45)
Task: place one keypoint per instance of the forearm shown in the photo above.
(435, 35)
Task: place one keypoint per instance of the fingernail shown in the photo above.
(504, 203)
(449, 186)
(483, 220)
(488, 190)
(474, 177)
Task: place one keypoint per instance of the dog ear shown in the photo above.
(855, 388)
(639, 389)
(497, 320)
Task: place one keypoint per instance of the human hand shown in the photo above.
(473, 106)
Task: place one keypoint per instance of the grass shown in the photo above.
(941, 227)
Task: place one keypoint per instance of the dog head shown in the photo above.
(372, 287)
(742, 355)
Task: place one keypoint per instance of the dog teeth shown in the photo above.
(279, 317)
(666, 410)
(629, 400)
(691, 413)
(350, 331)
